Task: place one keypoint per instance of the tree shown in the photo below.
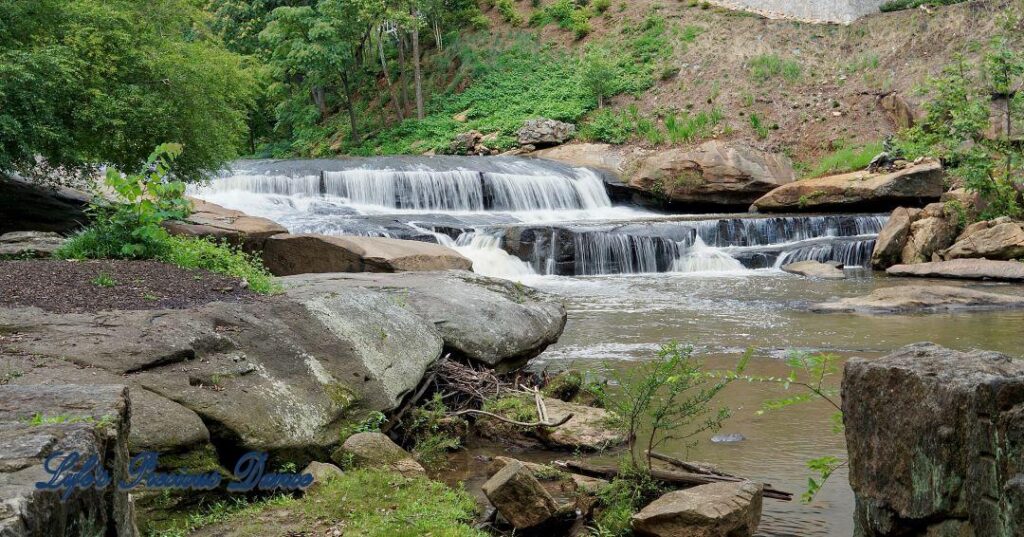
(600, 73)
(87, 82)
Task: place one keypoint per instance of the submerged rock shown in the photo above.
(727, 438)
(816, 269)
(39, 421)
(519, 497)
(969, 269)
(288, 254)
(935, 442)
(858, 190)
(495, 322)
(921, 298)
(376, 450)
(714, 510)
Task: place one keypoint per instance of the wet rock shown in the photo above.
(30, 243)
(376, 450)
(715, 510)
(816, 269)
(321, 472)
(287, 254)
(990, 240)
(949, 461)
(589, 429)
(727, 438)
(968, 269)
(27, 206)
(921, 298)
(212, 221)
(495, 322)
(714, 174)
(519, 497)
(893, 237)
(545, 132)
(858, 190)
(92, 420)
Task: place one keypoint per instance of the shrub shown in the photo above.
(509, 12)
(690, 128)
(222, 258)
(600, 6)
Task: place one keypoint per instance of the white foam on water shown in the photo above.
(702, 258)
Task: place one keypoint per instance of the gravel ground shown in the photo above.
(92, 286)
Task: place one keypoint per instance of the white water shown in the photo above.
(703, 258)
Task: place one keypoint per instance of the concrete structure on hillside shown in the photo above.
(836, 11)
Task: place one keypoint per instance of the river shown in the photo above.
(633, 280)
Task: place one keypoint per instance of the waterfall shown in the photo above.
(702, 258)
(517, 192)
(615, 253)
(487, 255)
(282, 185)
(456, 190)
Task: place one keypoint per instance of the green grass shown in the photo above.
(897, 5)
(103, 280)
(692, 127)
(845, 159)
(513, 407)
(770, 66)
(760, 127)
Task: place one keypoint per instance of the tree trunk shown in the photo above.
(403, 81)
(387, 80)
(417, 72)
(354, 132)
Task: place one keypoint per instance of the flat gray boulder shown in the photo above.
(921, 298)
(816, 269)
(30, 243)
(714, 510)
(967, 269)
(496, 322)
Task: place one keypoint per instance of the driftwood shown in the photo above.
(668, 476)
(541, 423)
(688, 466)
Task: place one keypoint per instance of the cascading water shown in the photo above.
(517, 217)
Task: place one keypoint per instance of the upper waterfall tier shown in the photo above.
(437, 184)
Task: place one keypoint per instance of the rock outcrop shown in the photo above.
(287, 254)
(967, 269)
(544, 132)
(495, 322)
(715, 510)
(921, 298)
(893, 237)
(519, 497)
(212, 221)
(936, 442)
(917, 184)
(26, 206)
(23, 244)
(915, 235)
(716, 173)
(376, 450)
(1000, 239)
(816, 269)
(39, 421)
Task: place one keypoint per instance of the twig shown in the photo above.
(513, 422)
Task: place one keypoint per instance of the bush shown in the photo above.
(600, 6)
(509, 12)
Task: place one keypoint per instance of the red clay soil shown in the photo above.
(93, 286)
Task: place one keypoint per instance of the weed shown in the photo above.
(104, 280)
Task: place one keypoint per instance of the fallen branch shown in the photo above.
(668, 476)
(513, 422)
(688, 466)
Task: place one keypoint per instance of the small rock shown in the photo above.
(714, 510)
(815, 269)
(322, 472)
(519, 497)
(378, 451)
(30, 243)
(727, 438)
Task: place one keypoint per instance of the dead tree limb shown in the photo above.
(513, 422)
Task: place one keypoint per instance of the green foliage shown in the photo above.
(958, 118)
(104, 280)
(672, 397)
(846, 159)
(568, 14)
(692, 127)
(84, 82)
(130, 227)
(513, 407)
(770, 66)
(898, 5)
(508, 11)
(600, 73)
(432, 433)
(811, 373)
(600, 6)
(629, 492)
(620, 127)
(761, 129)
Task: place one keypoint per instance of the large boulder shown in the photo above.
(967, 269)
(212, 221)
(921, 298)
(717, 173)
(26, 206)
(376, 450)
(30, 243)
(997, 239)
(932, 232)
(815, 269)
(919, 183)
(893, 237)
(495, 322)
(519, 497)
(39, 421)
(278, 374)
(936, 442)
(544, 132)
(714, 510)
(288, 254)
